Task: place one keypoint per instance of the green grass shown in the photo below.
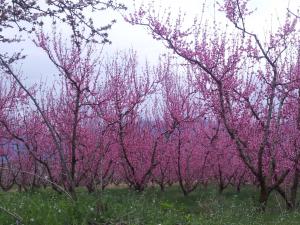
(152, 207)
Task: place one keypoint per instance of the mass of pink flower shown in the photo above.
(229, 115)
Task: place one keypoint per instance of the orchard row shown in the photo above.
(225, 111)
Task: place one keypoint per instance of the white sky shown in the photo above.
(125, 36)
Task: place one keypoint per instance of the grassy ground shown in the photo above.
(121, 206)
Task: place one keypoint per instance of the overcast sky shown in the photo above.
(125, 36)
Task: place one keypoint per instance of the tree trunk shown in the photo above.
(263, 197)
(294, 189)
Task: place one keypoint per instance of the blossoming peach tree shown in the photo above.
(246, 81)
